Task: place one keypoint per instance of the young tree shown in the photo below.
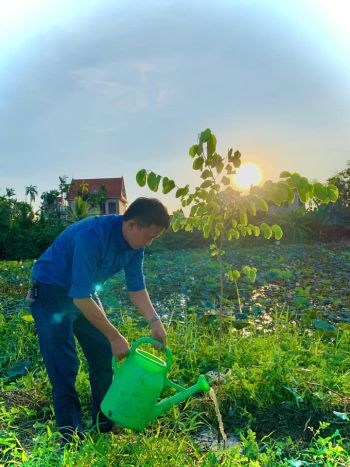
(222, 213)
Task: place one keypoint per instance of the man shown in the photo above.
(65, 280)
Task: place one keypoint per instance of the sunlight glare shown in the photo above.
(248, 174)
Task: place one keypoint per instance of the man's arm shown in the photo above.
(98, 318)
(142, 301)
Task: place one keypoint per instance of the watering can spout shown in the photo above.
(183, 394)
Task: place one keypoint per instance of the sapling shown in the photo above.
(224, 214)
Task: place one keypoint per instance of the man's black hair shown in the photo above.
(148, 211)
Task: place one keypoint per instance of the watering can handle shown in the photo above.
(151, 340)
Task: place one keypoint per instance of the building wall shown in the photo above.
(114, 206)
(110, 206)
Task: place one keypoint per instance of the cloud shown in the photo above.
(130, 80)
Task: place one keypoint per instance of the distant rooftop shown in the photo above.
(115, 187)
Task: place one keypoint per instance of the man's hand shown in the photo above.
(120, 347)
(158, 332)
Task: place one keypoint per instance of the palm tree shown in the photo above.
(63, 185)
(80, 210)
(10, 192)
(32, 191)
(83, 190)
(49, 199)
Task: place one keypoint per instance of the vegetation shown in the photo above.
(285, 376)
(223, 214)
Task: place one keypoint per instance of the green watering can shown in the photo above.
(132, 399)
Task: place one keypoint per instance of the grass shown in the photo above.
(284, 396)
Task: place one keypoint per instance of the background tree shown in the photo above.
(50, 208)
(342, 181)
(97, 198)
(80, 209)
(32, 192)
(83, 191)
(10, 192)
(63, 185)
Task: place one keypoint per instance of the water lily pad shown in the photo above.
(321, 324)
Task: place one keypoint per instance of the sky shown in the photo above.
(93, 89)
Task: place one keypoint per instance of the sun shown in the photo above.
(248, 174)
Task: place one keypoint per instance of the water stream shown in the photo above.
(212, 396)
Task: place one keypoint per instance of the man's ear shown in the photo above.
(132, 223)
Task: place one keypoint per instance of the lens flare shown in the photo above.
(248, 174)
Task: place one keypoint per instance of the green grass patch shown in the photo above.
(284, 389)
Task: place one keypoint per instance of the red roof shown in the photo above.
(115, 187)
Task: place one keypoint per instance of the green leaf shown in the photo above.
(194, 150)
(266, 230)
(225, 180)
(321, 324)
(233, 275)
(168, 185)
(141, 177)
(250, 273)
(198, 163)
(204, 136)
(262, 205)
(206, 174)
(252, 208)
(206, 184)
(285, 174)
(229, 169)
(243, 217)
(206, 230)
(240, 324)
(320, 191)
(176, 224)
(333, 193)
(291, 196)
(232, 233)
(182, 192)
(153, 181)
(236, 163)
(219, 166)
(19, 369)
(256, 231)
(302, 195)
(211, 145)
(28, 317)
(277, 231)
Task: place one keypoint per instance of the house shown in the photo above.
(113, 196)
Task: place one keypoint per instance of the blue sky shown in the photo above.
(103, 88)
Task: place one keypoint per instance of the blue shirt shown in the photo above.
(87, 253)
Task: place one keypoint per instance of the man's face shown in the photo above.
(139, 237)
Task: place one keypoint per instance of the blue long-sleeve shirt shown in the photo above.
(87, 253)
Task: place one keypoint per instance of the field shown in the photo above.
(285, 364)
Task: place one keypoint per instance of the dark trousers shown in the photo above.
(57, 321)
